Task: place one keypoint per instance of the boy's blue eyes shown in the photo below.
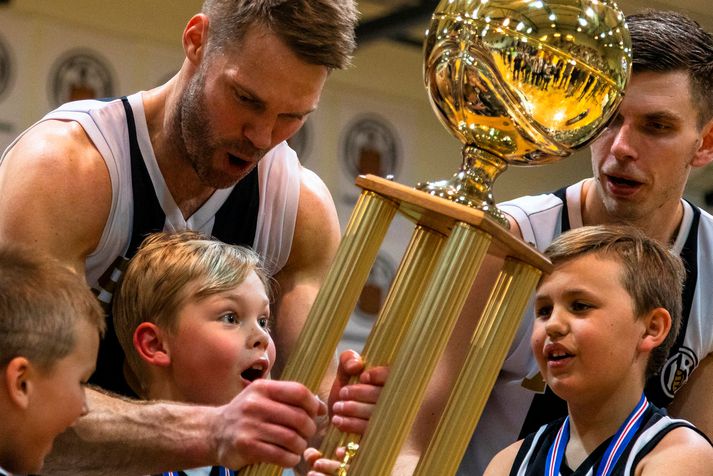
(232, 318)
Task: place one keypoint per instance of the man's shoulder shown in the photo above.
(534, 203)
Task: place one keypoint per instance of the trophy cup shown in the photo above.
(520, 82)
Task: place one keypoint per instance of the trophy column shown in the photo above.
(437, 271)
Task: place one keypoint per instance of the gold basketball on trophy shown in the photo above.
(522, 82)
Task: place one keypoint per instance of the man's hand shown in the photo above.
(269, 421)
(351, 406)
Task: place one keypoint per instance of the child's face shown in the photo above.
(58, 399)
(585, 336)
(221, 344)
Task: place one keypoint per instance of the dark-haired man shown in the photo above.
(663, 129)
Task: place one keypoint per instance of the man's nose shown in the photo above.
(623, 142)
(259, 131)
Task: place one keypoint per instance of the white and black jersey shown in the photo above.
(260, 211)
(532, 456)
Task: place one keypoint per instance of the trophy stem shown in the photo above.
(472, 185)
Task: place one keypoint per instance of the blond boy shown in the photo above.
(192, 315)
(50, 325)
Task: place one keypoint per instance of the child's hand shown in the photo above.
(320, 466)
(351, 405)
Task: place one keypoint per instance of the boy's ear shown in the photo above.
(18, 380)
(658, 325)
(195, 38)
(150, 343)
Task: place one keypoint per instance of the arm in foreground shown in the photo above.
(269, 421)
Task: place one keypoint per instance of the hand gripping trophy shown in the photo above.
(522, 82)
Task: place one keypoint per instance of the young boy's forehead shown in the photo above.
(559, 264)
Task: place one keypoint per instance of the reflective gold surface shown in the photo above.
(521, 82)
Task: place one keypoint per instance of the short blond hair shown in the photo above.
(41, 302)
(650, 272)
(156, 282)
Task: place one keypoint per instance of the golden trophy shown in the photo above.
(521, 82)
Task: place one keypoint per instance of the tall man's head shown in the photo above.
(254, 71)
(663, 128)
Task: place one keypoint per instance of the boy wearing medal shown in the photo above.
(604, 321)
(192, 315)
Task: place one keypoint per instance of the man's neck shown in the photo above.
(663, 225)
(181, 179)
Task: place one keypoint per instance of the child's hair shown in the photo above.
(651, 274)
(41, 302)
(156, 283)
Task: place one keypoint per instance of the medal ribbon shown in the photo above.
(613, 452)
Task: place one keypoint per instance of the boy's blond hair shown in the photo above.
(156, 282)
(41, 302)
(650, 273)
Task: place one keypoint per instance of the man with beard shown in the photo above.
(641, 163)
(205, 151)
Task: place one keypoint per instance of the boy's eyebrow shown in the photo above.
(238, 300)
(570, 291)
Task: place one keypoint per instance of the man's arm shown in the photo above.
(55, 193)
(314, 245)
(693, 401)
(269, 421)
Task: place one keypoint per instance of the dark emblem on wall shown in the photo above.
(80, 74)
(377, 286)
(301, 141)
(677, 369)
(371, 146)
(6, 67)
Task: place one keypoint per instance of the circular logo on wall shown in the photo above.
(301, 141)
(371, 146)
(6, 67)
(80, 74)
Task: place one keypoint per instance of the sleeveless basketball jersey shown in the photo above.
(513, 410)
(531, 458)
(260, 211)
